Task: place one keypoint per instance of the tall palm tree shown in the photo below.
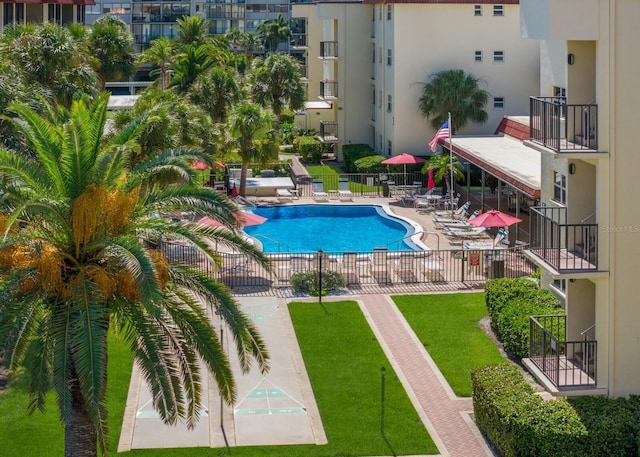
(216, 92)
(191, 62)
(79, 257)
(250, 130)
(159, 53)
(234, 37)
(111, 43)
(277, 82)
(192, 30)
(273, 32)
(455, 92)
(251, 43)
(440, 165)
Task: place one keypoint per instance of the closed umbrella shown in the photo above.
(430, 182)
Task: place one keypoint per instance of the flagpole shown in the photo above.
(450, 165)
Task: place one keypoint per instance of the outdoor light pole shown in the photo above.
(383, 372)
(320, 276)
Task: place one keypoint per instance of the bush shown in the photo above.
(287, 117)
(370, 164)
(309, 148)
(307, 281)
(353, 152)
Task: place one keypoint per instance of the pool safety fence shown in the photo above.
(360, 184)
(380, 267)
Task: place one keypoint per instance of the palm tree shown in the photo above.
(273, 32)
(250, 42)
(191, 62)
(277, 81)
(216, 92)
(79, 257)
(250, 129)
(234, 37)
(160, 53)
(440, 165)
(192, 30)
(111, 44)
(455, 92)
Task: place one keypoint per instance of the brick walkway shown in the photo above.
(446, 416)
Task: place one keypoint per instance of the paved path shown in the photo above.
(446, 416)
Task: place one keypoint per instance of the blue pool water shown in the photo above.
(306, 228)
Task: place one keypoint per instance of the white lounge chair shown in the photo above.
(456, 214)
(379, 265)
(348, 267)
(344, 193)
(462, 224)
(318, 192)
(478, 232)
(405, 267)
(497, 243)
(284, 195)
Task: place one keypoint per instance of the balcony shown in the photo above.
(299, 41)
(566, 365)
(561, 127)
(328, 90)
(328, 132)
(329, 50)
(566, 248)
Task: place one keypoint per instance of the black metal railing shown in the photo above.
(328, 131)
(329, 89)
(565, 247)
(328, 49)
(562, 127)
(382, 267)
(564, 363)
(299, 40)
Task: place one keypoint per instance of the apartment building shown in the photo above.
(367, 61)
(586, 234)
(38, 11)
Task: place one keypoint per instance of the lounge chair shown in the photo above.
(284, 195)
(432, 268)
(497, 243)
(456, 214)
(378, 265)
(343, 189)
(478, 232)
(405, 267)
(233, 263)
(462, 224)
(348, 267)
(318, 192)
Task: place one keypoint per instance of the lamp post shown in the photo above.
(320, 276)
(383, 372)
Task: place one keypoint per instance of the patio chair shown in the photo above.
(348, 267)
(432, 269)
(233, 263)
(455, 224)
(405, 267)
(478, 232)
(284, 195)
(497, 243)
(318, 192)
(378, 265)
(456, 214)
(344, 193)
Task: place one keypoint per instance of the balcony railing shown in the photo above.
(299, 40)
(562, 127)
(328, 131)
(329, 90)
(328, 49)
(565, 247)
(564, 363)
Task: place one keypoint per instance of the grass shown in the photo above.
(447, 326)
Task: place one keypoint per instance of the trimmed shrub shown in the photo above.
(353, 152)
(307, 281)
(287, 117)
(370, 164)
(310, 149)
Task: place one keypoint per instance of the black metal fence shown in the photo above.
(380, 267)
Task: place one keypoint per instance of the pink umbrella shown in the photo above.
(200, 165)
(403, 159)
(244, 219)
(494, 218)
(430, 182)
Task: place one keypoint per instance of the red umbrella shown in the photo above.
(245, 219)
(494, 218)
(200, 165)
(403, 159)
(430, 182)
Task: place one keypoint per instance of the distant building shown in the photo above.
(38, 11)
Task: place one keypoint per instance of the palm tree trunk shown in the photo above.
(80, 437)
(243, 177)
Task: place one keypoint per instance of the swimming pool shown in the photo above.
(307, 228)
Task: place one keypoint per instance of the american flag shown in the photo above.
(442, 133)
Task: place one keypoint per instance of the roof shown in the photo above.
(515, 126)
(317, 105)
(117, 102)
(503, 156)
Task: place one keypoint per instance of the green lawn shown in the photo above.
(447, 326)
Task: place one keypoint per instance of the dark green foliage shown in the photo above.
(287, 116)
(370, 164)
(310, 149)
(510, 302)
(308, 281)
(280, 168)
(353, 152)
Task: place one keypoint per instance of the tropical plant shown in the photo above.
(159, 53)
(234, 37)
(251, 43)
(111, 43)
(80, 256)
(277, 82)
(216, 92)
(455, 92)
(273, 32)
(192, 30)
(250, 130)
(191, 62)
(441, 166)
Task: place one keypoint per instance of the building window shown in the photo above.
(380, 55)
(379, 141)
(380, 13)
(559, 188)
(498, 10)
(388, 148)
(478, 56)
(389, 58)
(498, 102)
(477, 10)
(379, 99)
(498, 56)
(560, 284)
(389, 103)
(389, 12)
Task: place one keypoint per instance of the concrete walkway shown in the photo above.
(279, 408)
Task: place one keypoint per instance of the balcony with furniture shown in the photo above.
(562, 247)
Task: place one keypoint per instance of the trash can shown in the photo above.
(385, 189)
(497, 267)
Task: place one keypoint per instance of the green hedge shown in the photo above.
(353, 152)
(307, 281)
(510, 302)
(281, 168)
(370, 164)
(310, 149)
(520, 423)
